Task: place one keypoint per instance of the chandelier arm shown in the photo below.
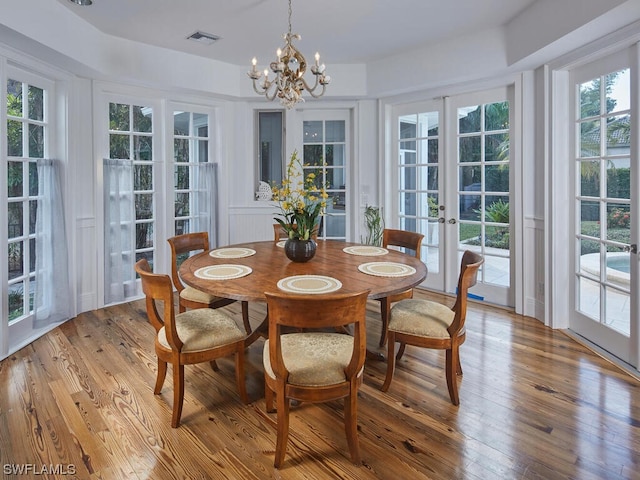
(314, 95)
(271, 96)
(255, 88)
(313, 90)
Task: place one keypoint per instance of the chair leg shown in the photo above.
(400, 351)
(268, 398)
(351, 423)
(245, 317)
(240, 377)
(162, 374)
(385, 312)
(452, 362)
(282, 435)
(214, 366)
(391, 361)
(178, 394)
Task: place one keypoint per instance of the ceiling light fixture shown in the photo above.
(82, 2)
(289, 68)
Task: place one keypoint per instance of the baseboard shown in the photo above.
(624, 366)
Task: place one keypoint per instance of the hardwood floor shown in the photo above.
(534, 404)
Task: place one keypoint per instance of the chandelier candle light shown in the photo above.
(289, 69)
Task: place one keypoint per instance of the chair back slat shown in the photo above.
(185, 243)
(404, 239)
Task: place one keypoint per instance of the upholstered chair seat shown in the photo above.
(203, 329)
(313, 359)
(421, 318)
(194, 295)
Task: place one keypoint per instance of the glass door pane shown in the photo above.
(325, 150)
(418, 174)
(483, 223)
(605, 212)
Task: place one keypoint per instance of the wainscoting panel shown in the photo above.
(248, 224)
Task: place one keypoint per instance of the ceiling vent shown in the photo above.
(204, 38)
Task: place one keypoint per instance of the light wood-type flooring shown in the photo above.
(534, 404)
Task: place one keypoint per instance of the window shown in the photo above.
(325, 149)
(26, 142)
(190, 149)
(270, 148)
(131, 138)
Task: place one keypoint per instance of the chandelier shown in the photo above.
(289, 70)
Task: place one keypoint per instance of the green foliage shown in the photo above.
(375, 226)
(432, 204)
(15, 303)
(592, 229)
(497, 212)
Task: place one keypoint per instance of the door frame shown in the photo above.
(446, 279)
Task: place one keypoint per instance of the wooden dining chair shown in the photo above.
(314, 366)
(423, 323)
(189, 297)
(195, 336)
(404, 239)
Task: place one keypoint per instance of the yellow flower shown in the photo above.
(299, 199)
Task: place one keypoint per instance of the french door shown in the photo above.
(605, 230)
(452, 179)
(325, 151)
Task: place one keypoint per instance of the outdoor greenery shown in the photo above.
(16, 306)
(593, 229)
(22, 185)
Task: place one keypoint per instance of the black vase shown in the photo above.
(299, 250)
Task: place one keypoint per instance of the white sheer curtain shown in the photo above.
(207, 219)
(119, 230)
(52, 296)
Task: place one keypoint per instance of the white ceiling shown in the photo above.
(343, 31)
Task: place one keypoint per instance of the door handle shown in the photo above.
(452, 221)
(441, 220)
(633, 248)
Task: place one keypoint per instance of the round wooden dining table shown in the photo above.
(355, 267)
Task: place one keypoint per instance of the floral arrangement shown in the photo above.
(301, 199)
